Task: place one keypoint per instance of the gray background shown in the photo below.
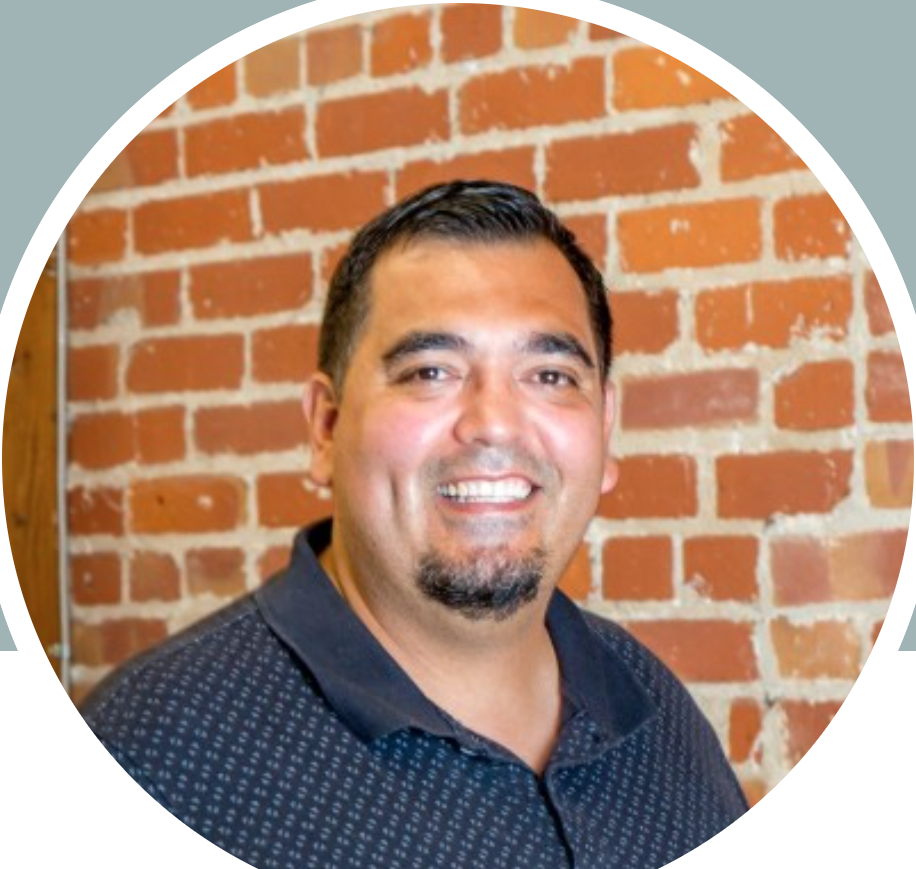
(69, 70)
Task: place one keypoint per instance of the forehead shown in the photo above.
(486, 289)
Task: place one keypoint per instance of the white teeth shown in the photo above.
(487, 491)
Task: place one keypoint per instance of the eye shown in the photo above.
(424, 374)
(554, 377)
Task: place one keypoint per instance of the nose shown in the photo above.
(492, 412)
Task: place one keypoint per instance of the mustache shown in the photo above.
(491, 461)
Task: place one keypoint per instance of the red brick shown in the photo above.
(702, 651)
(151, 298)
(819, 395)
(745, 727)
(332, 55)
(644, 322)
(186, 504)
(151, 158)
(101, 440)
(618, 164)
(185, 363)
(805, 722)
(154, 576)
(590, 231)
(822, 650)
(750, 147)
(95, 578)
(809, 227)
(219, 571)
(754, 790)
(597, 33)
(515, 165)
(265, 427)
(389, 119)
(696, 399)
(95, 511)
(535, 29)
(285, 502)
(774, 313)
(192, 222)
(889, 473)
(857, 567)
(638, 568)
(284, 354)
(248, 141)
(533, 96)
(323, 204)
(218, 90)
(879, 315)
(690, 236)
(330, 259)
(789, 482)
(272, 561)
(886, 392)
(400, 44)
(653, 486)
(159, 434)
(114, 641)
(95, 237)
(645, 78)
(470, 30)
(577, 578)
(722, 567)
(274, 69)
(248, 288)
(92, 372)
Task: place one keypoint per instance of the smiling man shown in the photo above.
(414, 690)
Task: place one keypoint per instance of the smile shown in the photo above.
(507, 491)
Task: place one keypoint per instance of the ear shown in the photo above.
(319, 404)
(611, 468)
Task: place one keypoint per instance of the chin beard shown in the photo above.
(486, 585)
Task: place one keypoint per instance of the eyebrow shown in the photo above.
(558, 343)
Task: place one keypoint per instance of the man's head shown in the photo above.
(462, 412)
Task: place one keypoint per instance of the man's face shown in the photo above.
(470, 444)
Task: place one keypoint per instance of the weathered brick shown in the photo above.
(822, 650)
(186, 363)
(887, 395)
(248, 288)
(284, 501)
(789, 482)
(652, 486)
(774, 313)
(358, 124)
(217, 90)
(284, 354)
(645, 78)
(149, 298)
(92, 372)
(400, 44)
(470, 30)
(638, 568)
(267, 426)
(597, 33)
(150, 158)
(330, 259)
(515, 165)
(273, 560)
(809, 227)
(533, 28)
(532, 96)
(159, 435)
(115, 640)
(745, 727)
(95, 237)
(695, 399)
(702, 651)
(95, 511)
(646, 161)
(576, 580)
(889, 473)
(722, 567)
(247, 141)
(880, 321)
(192, 222)
(644, 322)
(192, 504)
(217, 570)
(333, 54)
(274, 69)
(750, 147)
(154, 576)
(818, 395)
(805, 721)
(96, 578)
(324, 203)
(590, 231)
(101, 440)
(697, 235)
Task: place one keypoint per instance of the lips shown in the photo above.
(507, 490)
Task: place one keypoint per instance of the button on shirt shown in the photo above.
(282, 731)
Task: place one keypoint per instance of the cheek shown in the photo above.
(576, 445)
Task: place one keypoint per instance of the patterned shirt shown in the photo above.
(283, 732)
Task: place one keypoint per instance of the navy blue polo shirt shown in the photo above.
(282, 731)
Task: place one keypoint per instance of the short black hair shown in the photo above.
(469, 212)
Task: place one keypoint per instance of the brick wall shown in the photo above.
(757, 531)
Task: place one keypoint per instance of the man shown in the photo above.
(413, 691)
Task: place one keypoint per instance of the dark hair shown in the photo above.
(471, 212)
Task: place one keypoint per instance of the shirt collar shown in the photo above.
(368, 689)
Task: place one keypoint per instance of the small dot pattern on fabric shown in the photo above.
(226, 727)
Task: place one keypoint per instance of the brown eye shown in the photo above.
(552, 377)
